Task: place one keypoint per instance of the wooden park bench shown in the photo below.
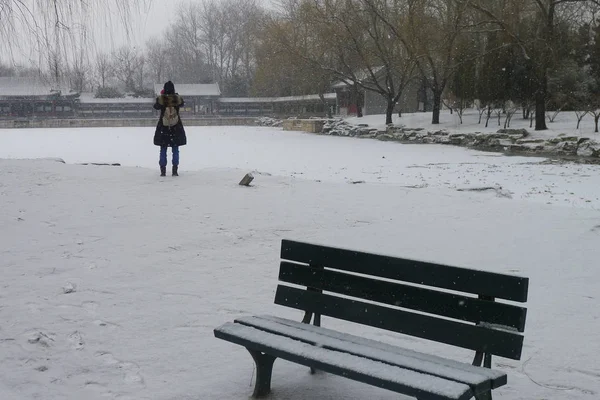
(409, 297)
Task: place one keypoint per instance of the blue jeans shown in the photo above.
(163, 156)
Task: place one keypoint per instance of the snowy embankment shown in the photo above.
(561, 139)
(113, 278)
(565, 123)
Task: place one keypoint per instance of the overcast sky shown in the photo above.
(150, 22)
(108, 29)
(146, 21)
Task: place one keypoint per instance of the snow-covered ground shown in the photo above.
(564, 123)
(114, 278)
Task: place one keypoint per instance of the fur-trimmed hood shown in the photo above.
(169, 100)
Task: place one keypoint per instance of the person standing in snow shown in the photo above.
(169, 130)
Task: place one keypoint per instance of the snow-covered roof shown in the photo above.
(88, 97)
(364, 75)
(28, 87)
(310, 97)
(192, 89)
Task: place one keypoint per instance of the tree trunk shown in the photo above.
(540, 108)
(596, 118)
(389, 110)
(531, 115)
(544, 64)
(437, 102)
(326, 108)
(488, 115)
(359, 100)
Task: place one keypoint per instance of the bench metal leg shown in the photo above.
(484, 396)
(308, 316)
(486, 360)
(264, 371)
(482, 358)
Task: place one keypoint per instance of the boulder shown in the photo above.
(516, 132)
(496, 142)
(386, 137)
(589, 148)
(456, 138)
(566, 148)
(569, 139)
(527, 141)
(500, 135)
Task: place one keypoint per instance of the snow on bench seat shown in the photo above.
(392, 377)
(480, 379)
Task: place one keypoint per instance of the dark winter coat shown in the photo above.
(175, 135)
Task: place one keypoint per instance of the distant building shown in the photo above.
(299, 106)
(414, 98)
(30, 97)
(119, 107)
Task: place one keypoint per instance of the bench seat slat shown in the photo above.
(479, 379)
(497, 377)
(375, 373)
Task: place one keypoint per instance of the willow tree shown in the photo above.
(347, 41)
(60, 33)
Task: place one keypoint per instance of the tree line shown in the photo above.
(501, 56)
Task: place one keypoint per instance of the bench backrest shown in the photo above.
(415, 298)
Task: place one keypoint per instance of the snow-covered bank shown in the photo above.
(562, 139)
(509, 141)
(565, 123)
(156, 264)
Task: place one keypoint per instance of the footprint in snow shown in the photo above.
(105, 324)
(90, 306)
(76, 340)
(40, 338)
(130, 370)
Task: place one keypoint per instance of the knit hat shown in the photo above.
(169, 88)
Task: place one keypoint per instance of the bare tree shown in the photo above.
(596, 113)
(127, 62)
(140, 74)
(228, 34)
(510, 108)
(104, 68)
(156, 54)
(7, 70)
(79, 75)
(185, 43)
(580, 114)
